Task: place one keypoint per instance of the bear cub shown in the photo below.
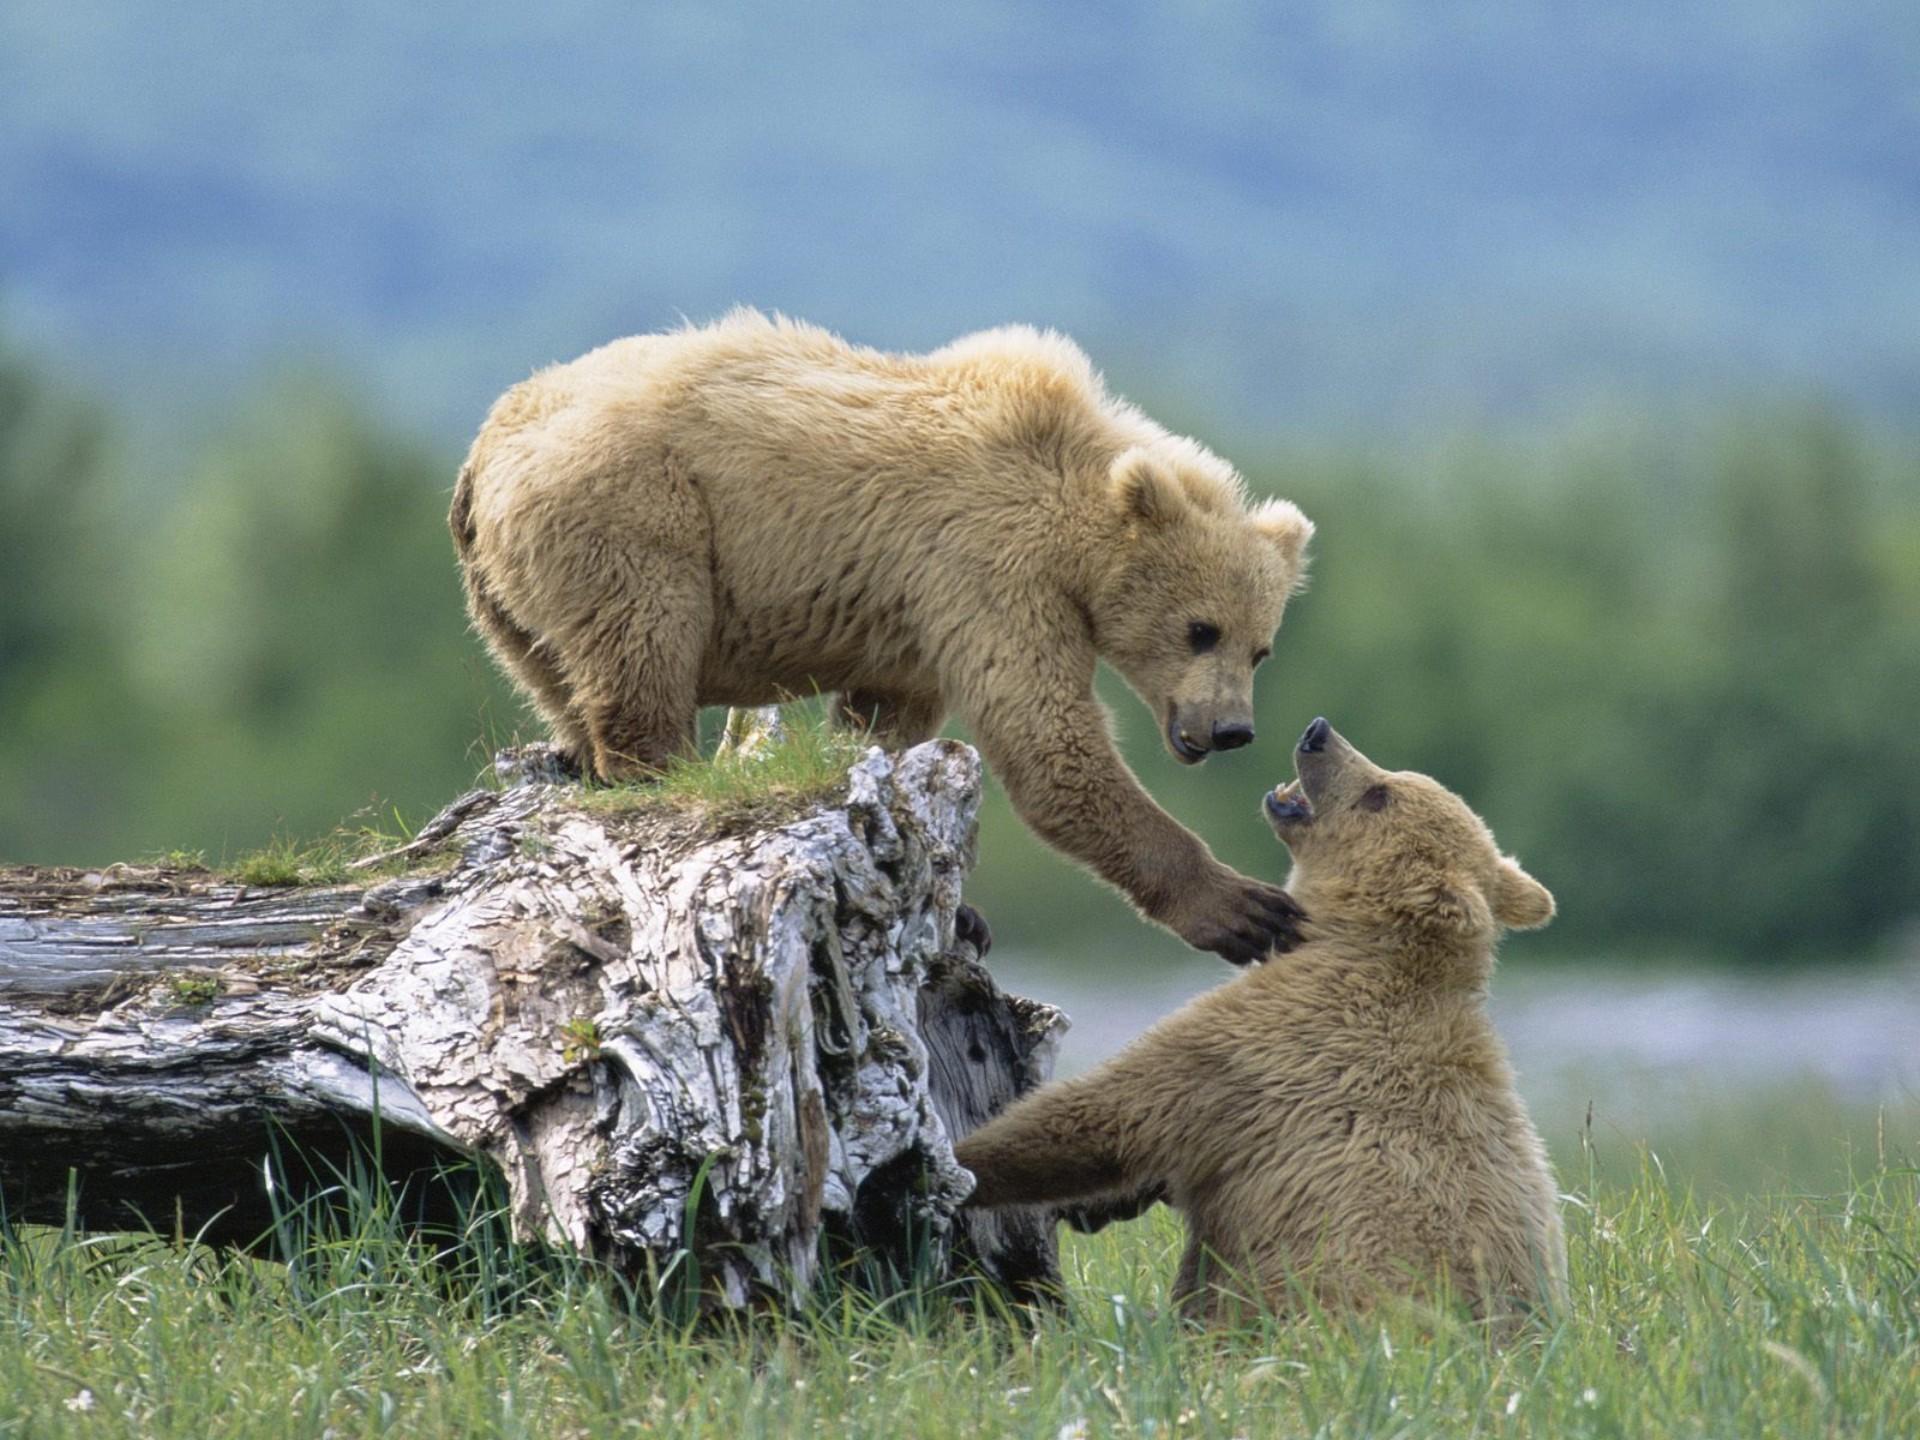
(1341, 1122)
(749, 511)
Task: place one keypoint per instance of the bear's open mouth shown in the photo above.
(1289, 802)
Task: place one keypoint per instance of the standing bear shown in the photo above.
(1342, 1121)
(743, 512)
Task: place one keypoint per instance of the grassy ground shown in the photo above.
(804, 761)
(1744, 1267)
(1796, 1313)
(330, 860)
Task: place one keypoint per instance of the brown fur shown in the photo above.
(1342, 1121)
(755, 509)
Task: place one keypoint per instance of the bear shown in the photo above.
(754, 510)
(1340, 1123)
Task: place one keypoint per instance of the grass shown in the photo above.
(181, 859)
(330, 860)
(1786, 1315)
(806, 762)
(286, 861)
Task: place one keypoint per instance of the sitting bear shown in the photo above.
(1341, 1121)
(745, 512)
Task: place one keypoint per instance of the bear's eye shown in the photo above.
(1261, 654)
(1377, 797)
(1202, 636)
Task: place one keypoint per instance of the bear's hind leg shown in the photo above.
(635, 668)
(1217, 1279)
(1191, 1292)
(895, 721)
(528, 661)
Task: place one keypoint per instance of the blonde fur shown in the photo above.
(1341, 1122)
(751, 510)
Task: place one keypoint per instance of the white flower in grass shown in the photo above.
(82, 1402)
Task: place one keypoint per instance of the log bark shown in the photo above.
(669, 1038)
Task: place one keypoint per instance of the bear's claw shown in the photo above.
(970, 928)
(1268, 924)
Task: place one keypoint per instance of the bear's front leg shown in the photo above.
(1055, 1146)
(1238, 918)
(1052, 752)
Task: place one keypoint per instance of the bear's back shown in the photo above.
(749, 375)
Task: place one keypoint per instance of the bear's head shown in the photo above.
(1189, 606)
(1377, 850)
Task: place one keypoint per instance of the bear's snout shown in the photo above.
(1232, 736)
(1315, 738)
(1191, 749)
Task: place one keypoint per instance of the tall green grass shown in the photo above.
(1794, 1314)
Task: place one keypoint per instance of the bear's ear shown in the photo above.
(1441, 901)
(1146, 489)
(1281, 523)
(1520, 902)
(1456, 908)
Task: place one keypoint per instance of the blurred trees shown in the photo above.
(302, 628)
(266, 641)
(60, 679)
(1676, 668)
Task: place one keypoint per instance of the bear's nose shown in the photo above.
(1315, 739)
(1232, 737)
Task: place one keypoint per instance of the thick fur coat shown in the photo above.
(1341, 1122)
(754, 510)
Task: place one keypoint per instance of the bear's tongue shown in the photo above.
(1291, 798)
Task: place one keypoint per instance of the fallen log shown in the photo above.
(666, 1036)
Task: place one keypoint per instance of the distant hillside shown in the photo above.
(1334, 215)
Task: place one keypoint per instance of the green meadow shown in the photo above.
(1700, 1307)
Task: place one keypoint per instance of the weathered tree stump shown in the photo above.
(666, 1037)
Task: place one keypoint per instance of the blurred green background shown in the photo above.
(1675, 665)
